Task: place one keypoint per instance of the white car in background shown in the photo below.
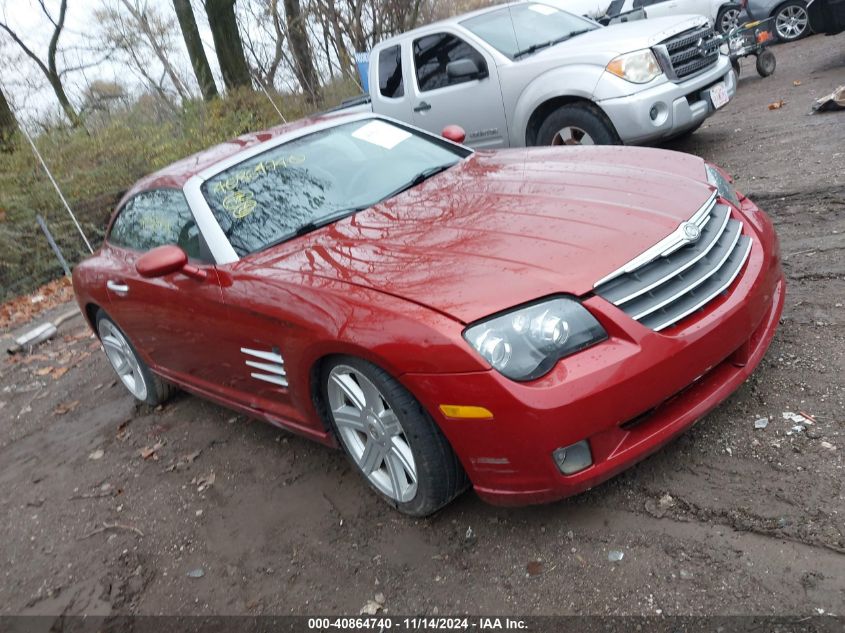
(723, 15)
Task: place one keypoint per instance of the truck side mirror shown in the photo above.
(465, 69)
(454, 133)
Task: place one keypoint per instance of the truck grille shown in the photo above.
(677, 277)
(689, 52)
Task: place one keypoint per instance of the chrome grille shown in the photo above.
(688, 53)
(675, 278)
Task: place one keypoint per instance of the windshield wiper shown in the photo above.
(419, 179)
(536, 47)
(331, 218)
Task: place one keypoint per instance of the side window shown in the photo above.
(390, 80)
(433, 53)
(156, 218)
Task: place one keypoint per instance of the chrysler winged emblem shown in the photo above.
(692, 232)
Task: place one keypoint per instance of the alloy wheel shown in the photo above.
(122, 359)
(371, 433)
(791, 22)
(572, 135)
(729, 21)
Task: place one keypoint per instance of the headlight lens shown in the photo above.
(525, 343)
(725, 188)
(638, 67)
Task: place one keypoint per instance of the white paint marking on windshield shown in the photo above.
(381, 134)
(542, 9)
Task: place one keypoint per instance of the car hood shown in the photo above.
(504, 228)
(610, 41)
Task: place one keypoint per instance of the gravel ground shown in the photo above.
(728, 519)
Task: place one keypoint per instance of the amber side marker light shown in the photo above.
(460, 412)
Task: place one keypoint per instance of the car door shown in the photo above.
(445, 93)
(173, 321)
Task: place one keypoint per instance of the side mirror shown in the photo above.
(465, 69)
(454, 133)
(166, 260)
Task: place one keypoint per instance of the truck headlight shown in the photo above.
(525, 343)
(638, 67)
(716, 178)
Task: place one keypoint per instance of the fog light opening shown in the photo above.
(573, 459)
(659, 113)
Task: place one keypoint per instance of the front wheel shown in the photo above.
(132, 371)
(766, 63)
(577, 124)
(389, 438)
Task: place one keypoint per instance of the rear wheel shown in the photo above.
(389, 437)
(130, 369)
(791, 21)
(577, 124)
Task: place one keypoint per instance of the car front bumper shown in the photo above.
(627, 396)
(680, 106)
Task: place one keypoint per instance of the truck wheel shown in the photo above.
(577, 124)
(389, 438)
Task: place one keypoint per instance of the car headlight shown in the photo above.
(525, 343)
(722, 184)
(638, 67)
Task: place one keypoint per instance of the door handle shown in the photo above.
(423, 107)
(117, 287)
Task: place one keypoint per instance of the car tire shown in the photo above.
(577, 124)
(389, 437)
(791, 21)
(143, 384)
(727, 18)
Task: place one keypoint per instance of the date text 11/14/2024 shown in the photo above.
(387, 623)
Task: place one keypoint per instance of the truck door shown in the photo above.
(387, 84)
(456, 83)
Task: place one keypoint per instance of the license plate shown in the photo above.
(719, 95)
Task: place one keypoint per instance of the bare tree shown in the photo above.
(141, 35)
(196, 52)
(301, 48)
(49, 66)
(8, 122)
(227, 43)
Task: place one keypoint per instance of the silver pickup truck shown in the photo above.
(529, 73)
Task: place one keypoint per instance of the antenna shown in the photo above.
(273, 103)
(513, 25)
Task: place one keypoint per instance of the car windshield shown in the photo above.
(319, 178)
(523, 29)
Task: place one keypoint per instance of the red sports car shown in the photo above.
(529, 322)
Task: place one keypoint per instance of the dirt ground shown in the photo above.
(726, 520)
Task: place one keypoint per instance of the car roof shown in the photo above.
(175, 175)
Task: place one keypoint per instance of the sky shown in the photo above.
(79, 39)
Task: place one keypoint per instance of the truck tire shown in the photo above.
(728, 18)
(577, 124)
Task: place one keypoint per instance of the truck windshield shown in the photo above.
(523, 29)
(318, 179)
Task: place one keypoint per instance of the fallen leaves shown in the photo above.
(149, 452)
(66, 407)
(183, 462)
(796, 83)
(534, 568)
(25, 308)
(777, 105)
(204, 482)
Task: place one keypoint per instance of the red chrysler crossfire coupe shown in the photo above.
(529, 322)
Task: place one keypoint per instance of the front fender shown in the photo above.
(577, 81)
